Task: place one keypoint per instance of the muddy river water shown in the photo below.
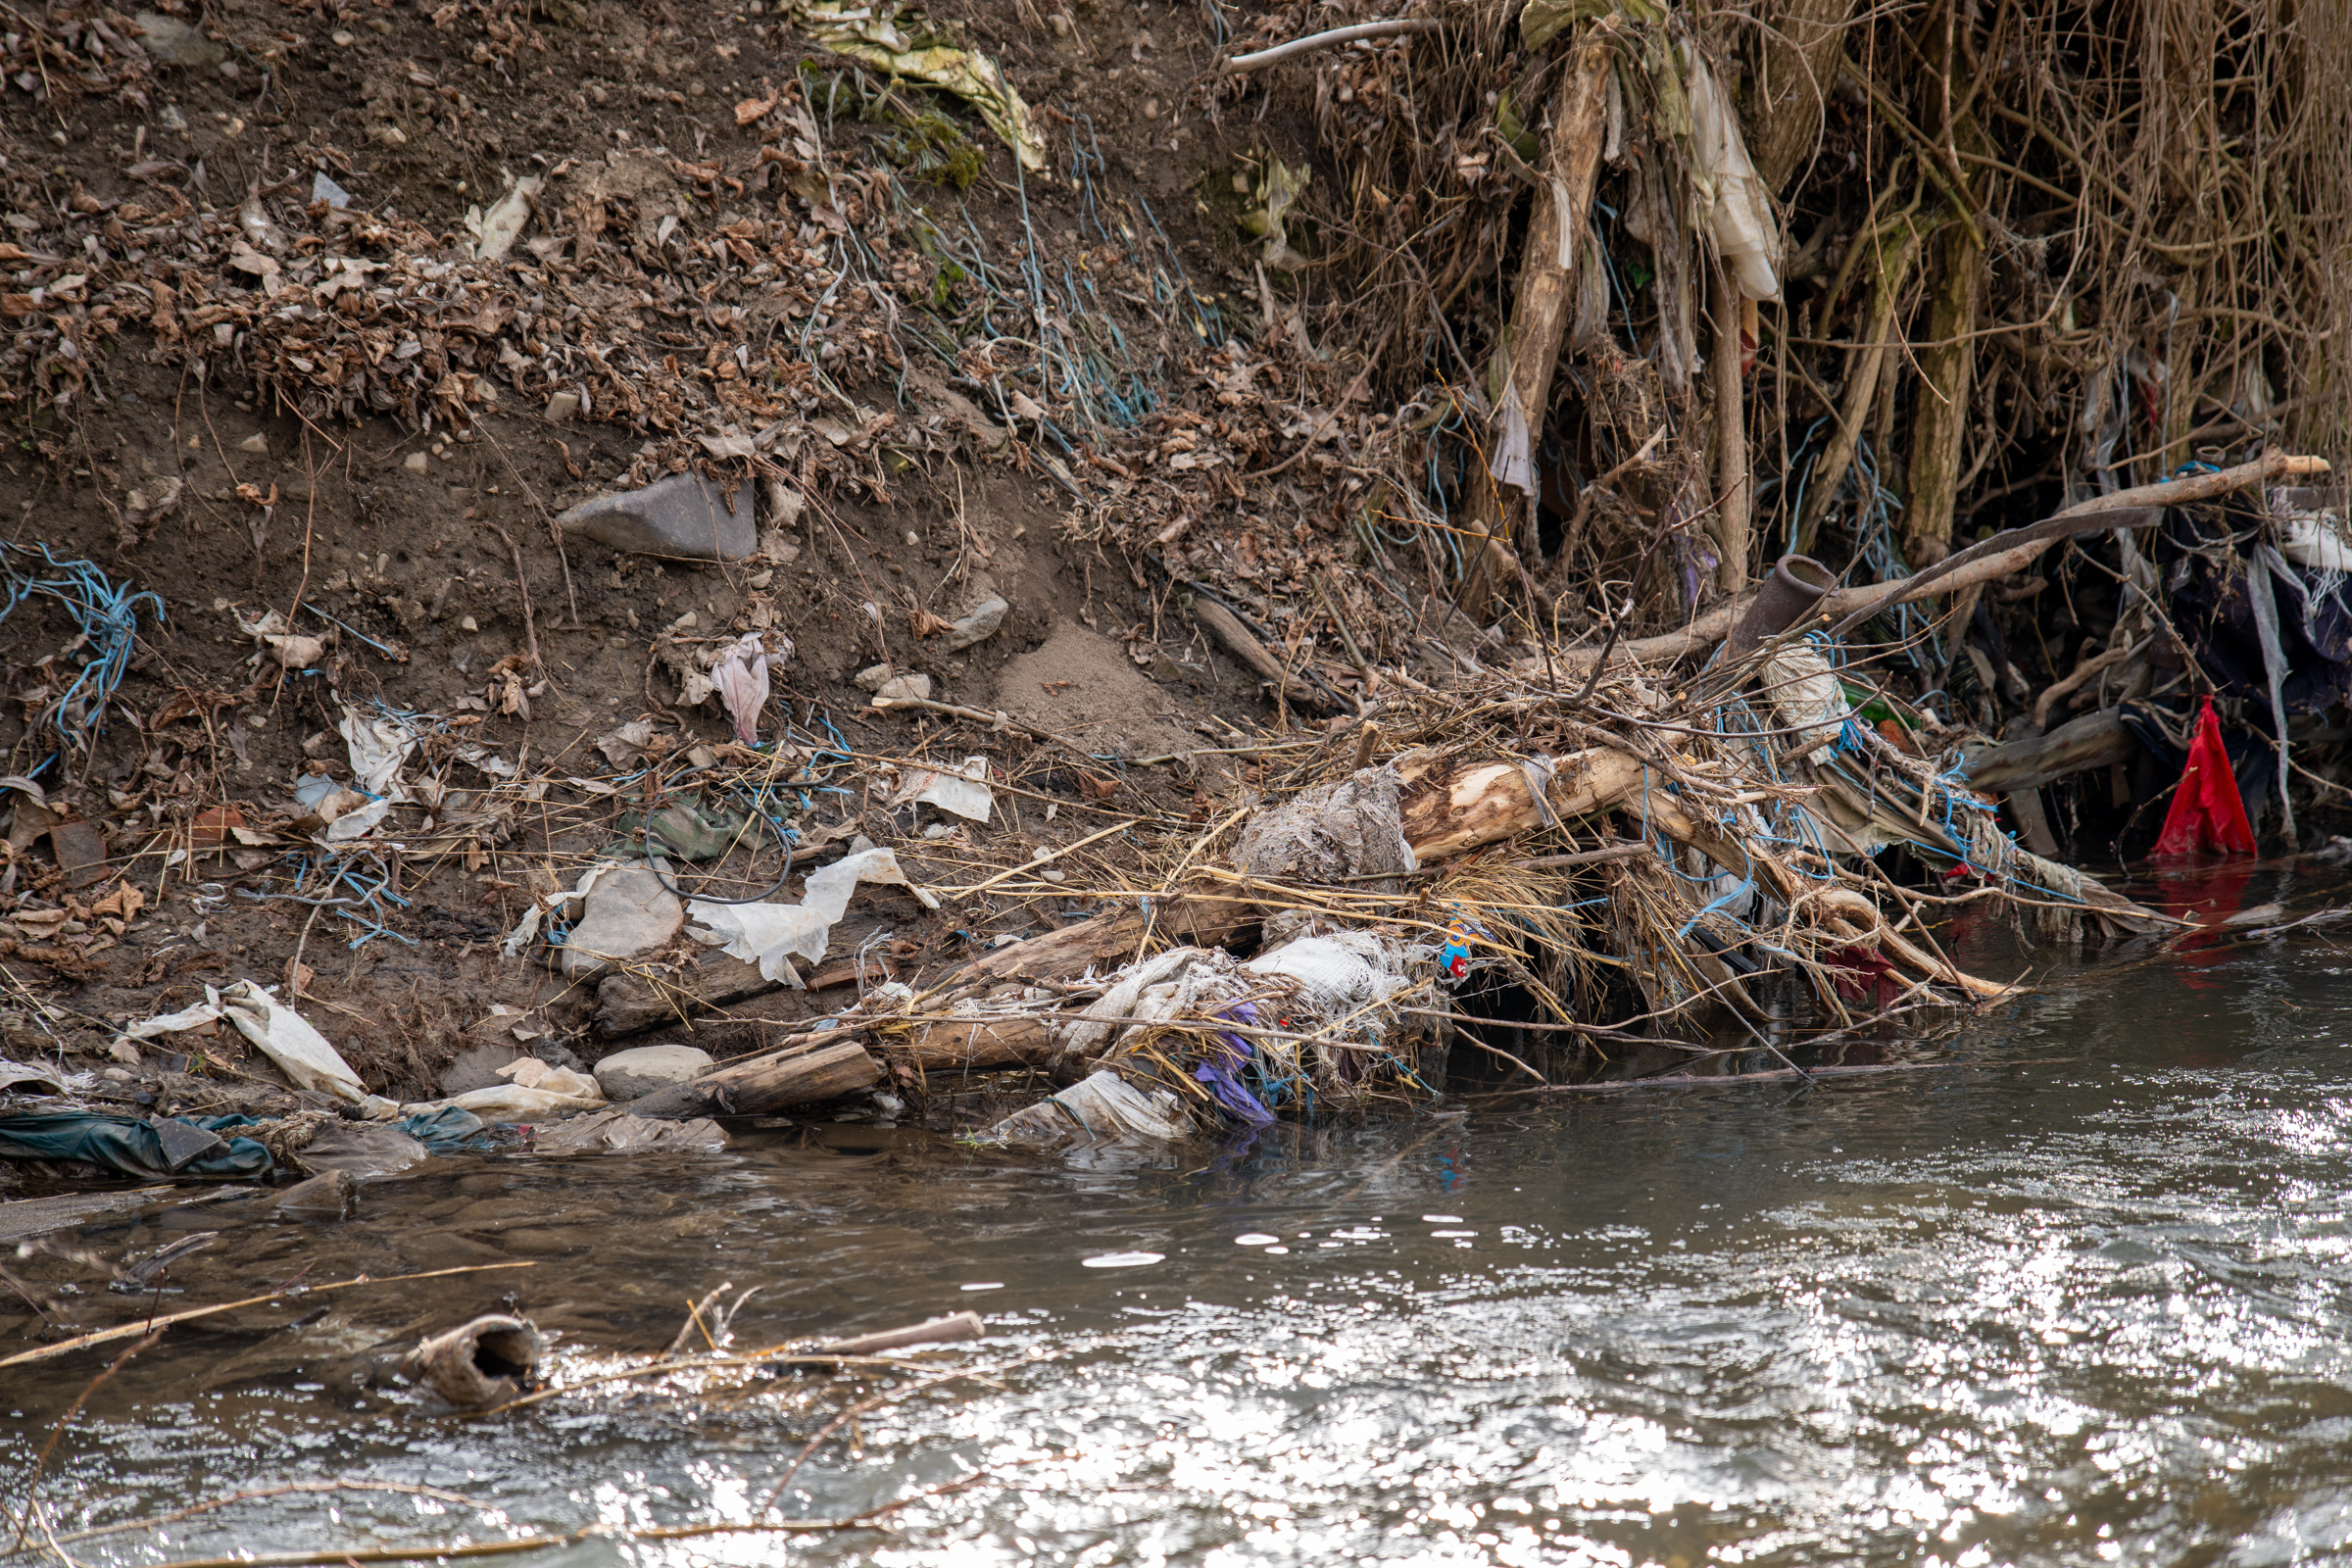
(2077, 1293)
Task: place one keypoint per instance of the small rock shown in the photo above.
(325, 1196)
(978, 626)
(81, 851)
(256, 442)
(123, 1051)
(918, 687)
(173, 42)
(683, 517)
(629, 914)
(323, 190)
(873, 677)
(562, 406)
(629, 1074)
(344, 40)
(415, 462)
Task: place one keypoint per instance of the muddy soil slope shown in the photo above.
(266, 361)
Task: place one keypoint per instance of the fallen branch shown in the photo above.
(1331, 40)
(2048, 703)
(1982, 563)
(128, 1330)
(2094, 740)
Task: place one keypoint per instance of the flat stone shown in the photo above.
(978, 626)
(918, 687)
(627, 1074)
(476, 1064)
(173, 42)
(629, 914)
(81, 852)
(873, 677)
(683, 517)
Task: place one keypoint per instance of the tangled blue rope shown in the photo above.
(108, 614)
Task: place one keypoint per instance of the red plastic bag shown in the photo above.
(2207, 816)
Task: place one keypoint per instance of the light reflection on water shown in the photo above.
(2084, 1299)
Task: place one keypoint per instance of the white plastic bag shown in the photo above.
(1803, 690)
(1339, 973)
(301, 1051)
(964, 793)
(1737, 211)
(511, 1102)
(1101, 1107)
(768, 933)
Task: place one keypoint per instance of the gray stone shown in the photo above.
(873, 677)
(476, 1064)
(683, 517)
(627, 1074)
(978, 626)
(918, 687)
(627, 914)
(171, 42)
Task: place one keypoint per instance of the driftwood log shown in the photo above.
(823, 1065)
(630, 1003)
(2095, 739)
(1224, 625)
(1108, 938)
(972, 1045)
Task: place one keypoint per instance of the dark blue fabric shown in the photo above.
(2215, 612)
(2251, 756)
(125, 1145)
(449, 1129)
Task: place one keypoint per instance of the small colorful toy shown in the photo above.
(1454, 958)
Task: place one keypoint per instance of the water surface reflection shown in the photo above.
(2081, 1298)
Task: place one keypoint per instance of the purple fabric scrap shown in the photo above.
(1222, 1071)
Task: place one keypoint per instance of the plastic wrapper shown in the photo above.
(1101, 1107)
(770, 935)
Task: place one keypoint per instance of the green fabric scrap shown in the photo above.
(1278, 186)
(1546, 20)
(687, 832)
(1514, 132)
(901, 40)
